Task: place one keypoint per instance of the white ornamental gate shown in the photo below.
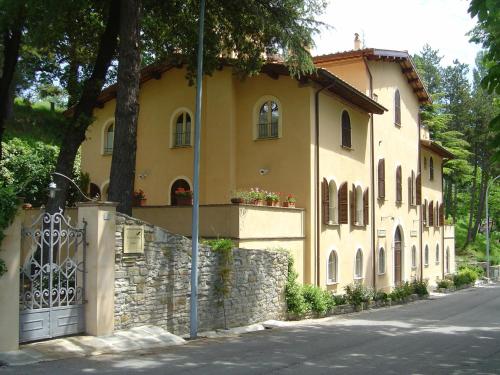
(52, 282)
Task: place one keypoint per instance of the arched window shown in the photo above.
(346, 130)
(397, 108)
(109, 136)
(447, 260)
(381, 261)
(268, 122)
(431, 168)
(333, 206)
(179, 184)
(182, 130)
(426, 256)
(413, 256)
(358, 271)
(332, 267)
(437, 253)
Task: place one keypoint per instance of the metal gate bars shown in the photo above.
(52, 282)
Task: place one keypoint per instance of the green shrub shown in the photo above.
(356, 294)
(313, 297)
(420, 287)
(293, 292)
(339, 299)
(465, 276)
(8, 208)
(445, 284)
(477, 269)
(380, 295)
(401, 291)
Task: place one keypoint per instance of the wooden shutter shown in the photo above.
(381, 178)
(418, 186)
(343, 208)
(441, 215)
(424, 213)
(431, 213)
(352, 197)
(436, 217)
(325, 199)
(397, 108)
(410, 191)
(366, 206)
(399, 187)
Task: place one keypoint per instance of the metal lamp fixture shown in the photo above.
(53, 187)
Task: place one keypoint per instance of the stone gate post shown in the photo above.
(9, 286)
(100, 265)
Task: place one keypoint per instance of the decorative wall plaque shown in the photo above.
(133, 239)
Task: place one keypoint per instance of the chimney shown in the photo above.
(357, 42)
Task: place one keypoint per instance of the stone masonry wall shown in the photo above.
(153, 288)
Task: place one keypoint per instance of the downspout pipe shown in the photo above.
(420, 221)
(372, 178)
(317, 251)
(443, 259)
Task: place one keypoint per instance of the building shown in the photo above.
(345, 141)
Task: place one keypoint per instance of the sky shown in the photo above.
(400, 25)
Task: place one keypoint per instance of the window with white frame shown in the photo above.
(333, 203)
(358, 269)
(182, 130)
(268, 120)
(109, 136)
(437, 253)
(414, 257)
(426, 256)
(381, 261)
(332, 267)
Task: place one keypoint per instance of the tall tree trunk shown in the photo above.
(11, 43)
(482, 196)
(472, 202)
(122, 176)
(82, 112)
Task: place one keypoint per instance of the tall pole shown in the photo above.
(488, 229)
(196, 180)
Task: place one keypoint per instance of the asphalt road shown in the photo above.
(455, 334)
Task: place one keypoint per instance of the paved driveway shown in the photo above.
(455, 334)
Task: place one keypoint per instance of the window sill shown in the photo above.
(397, 125)
(107, 153)
(181, 146)
(380, 273)
(266, 138)
(413, 268)
(332, 224)
(330, 282)
(426, 265)
(357, 278)
(348, 148)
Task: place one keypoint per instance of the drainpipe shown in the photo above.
(372, 178)
(420, 221)
(317, 251)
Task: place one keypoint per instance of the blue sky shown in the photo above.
(400, 25)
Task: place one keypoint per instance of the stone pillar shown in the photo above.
(9, 286)
(100, 267)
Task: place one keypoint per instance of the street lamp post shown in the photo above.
(488, 229)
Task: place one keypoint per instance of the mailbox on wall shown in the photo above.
(133, 239)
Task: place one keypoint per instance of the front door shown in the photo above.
(397, 257)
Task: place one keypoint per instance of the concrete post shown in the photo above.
(100, 267)
(9, 286)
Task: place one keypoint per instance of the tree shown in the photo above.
(127, 107)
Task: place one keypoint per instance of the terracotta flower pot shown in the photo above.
(184, 201)
(236, 200)
(142, 201)
(289, 204)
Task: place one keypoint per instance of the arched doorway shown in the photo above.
(397, 256)
(178, 184)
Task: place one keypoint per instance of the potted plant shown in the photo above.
(290, 201)
(272, 198)
(239, 196)
(256, 196)
(184, 197)
(139, 198)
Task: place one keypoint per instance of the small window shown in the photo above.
(425, 214)
(413, 257)
(358, 272)
(359, 219)
(182, 130)
(178, 185)
(426, 256)
(333, 203)
(447, 260)
(413, 189)
(346, 130)
(431, 169)
(381, 179)
(381, 261)
(437, 253)
(332, 267)
(269, 116)
(399, 185)
(397, 108)
(109, 136)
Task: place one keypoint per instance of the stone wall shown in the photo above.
(153, 288)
